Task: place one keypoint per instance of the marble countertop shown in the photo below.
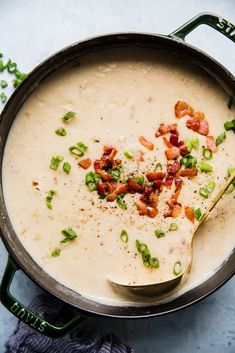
(32, 30)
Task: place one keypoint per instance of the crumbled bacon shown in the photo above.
(174, 168)
(189, 213)
(174, 139)
(178, 182)
(184, 150)
(210, 143)
(101, 189)
(120, 189)
(172, 153)
(167, 143)
(134, 186)
(155, 175)
(146, 143)
(193, 124)
(201, 127)
(173, 204)
(85, 163)
(182, 109)
(164, 129)
(168, 181)
(199, 116)
(190, 172)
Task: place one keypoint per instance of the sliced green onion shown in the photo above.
(229, 125)
(148, 260)
(207, 153)
(82, 146)
(189, 145)
(92, 177)
(68, 116)
(220, 139)
(116, 173)
(66, 167)
(159, 233)
(3, 97)
(3, 83)
(188, 161)
(177, 269)
(19, 78)
(121, 203)
(92, 186)
(146, 257)
(61, 131)
(55, 162)
(76, 151)
(195, 143)
(230, 189)
(128, 155)
(158, 167)
(69, 235)
(11, 67)
(173, 227)
(204, 167)
(198, 213)
(230, 102)
(154, 262)
(55, 252)
(140, 180)
(230, 171)
(49, 198)
(124, 236)
(204, 193)
(210, 187)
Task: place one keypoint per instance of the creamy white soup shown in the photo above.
(108, 167)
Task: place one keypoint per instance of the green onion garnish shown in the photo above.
(116, 173)
(61, 131)
(189, 145)
(91, 180)
(68, 116)
(154, 262)
(207, 153)
(173, 227)
(76, 151)
(195, 143)
(158, 167)
(230, 189)
(92, 187)
(220, 139)
(204, 167)
(3, 83)
(49, 198)
(55, 252)
(188, 161)
(210, 187)
(148, 260)
(3, 97)
(159, 233)
(82, 146)
(128, 154)
(55, 161)
(124, 236)
(230, 102)
(140, 180)
(69, 235)
(177, 268)
(232, 185)
(66, 167)
(230, 125)
(204, 193)
(198, 213)
(121, 203)
(19, 78)
(11, 67)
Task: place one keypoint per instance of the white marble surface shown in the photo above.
(30, 31)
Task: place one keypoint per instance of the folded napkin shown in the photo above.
(26, 340)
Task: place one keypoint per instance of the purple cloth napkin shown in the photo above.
(26, 340)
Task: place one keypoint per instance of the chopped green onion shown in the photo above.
(159, 233)
(1, 55)
(19, 78)
(92, 177)
(154, 262)
(195, 143)
(49, 198)
(82, 146)
(124, 236)
(55, 162)
(230, 125)
(198, 214)
(140, 180)
(189, 145)
(148, 260)
(11, 67)
(92, 186)
(204, 167)
(173, 227)
(3, 83)
(68, 116)
(3, 97)
(210, 187)
(121, 203)
(207, 153)
(76, 151)
(158, 167)
(230, 171)
(188, 161)
(128, 154)
(220, 139)
(177, 268)
(230, 189)
(66, 167)
(61, 131)
(116, 173)
(69, 235)
(230, 102)
(204, 193)
(55, 252)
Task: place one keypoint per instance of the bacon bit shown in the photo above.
(174, 168)
(182, 109)
(176, 210)
(190, 172)
(155, 175)
(85, 163)
(172, 153)
(167, 143)
(180, 143)
(133, 185)
(174, 139)
(164, 129)
(142, 208)
(121, 189)
(157, 184)
(153, 199)
(151, 212)
(107, 149)
(146, 143)
(210, 143)
(199, 116)
(101, 189)
(104, 176)
(98, 164)
(112, 154)
(168, 182)
(116, 163)
(183, 150)
(178, 182)
(193, 124)
(189, 213)
(201, 127)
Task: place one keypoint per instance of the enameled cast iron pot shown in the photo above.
(173, 45)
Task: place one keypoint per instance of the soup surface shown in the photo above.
(119, 97)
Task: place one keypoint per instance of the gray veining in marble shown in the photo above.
(31, 31)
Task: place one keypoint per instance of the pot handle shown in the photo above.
(26, 315)
(207, 18)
